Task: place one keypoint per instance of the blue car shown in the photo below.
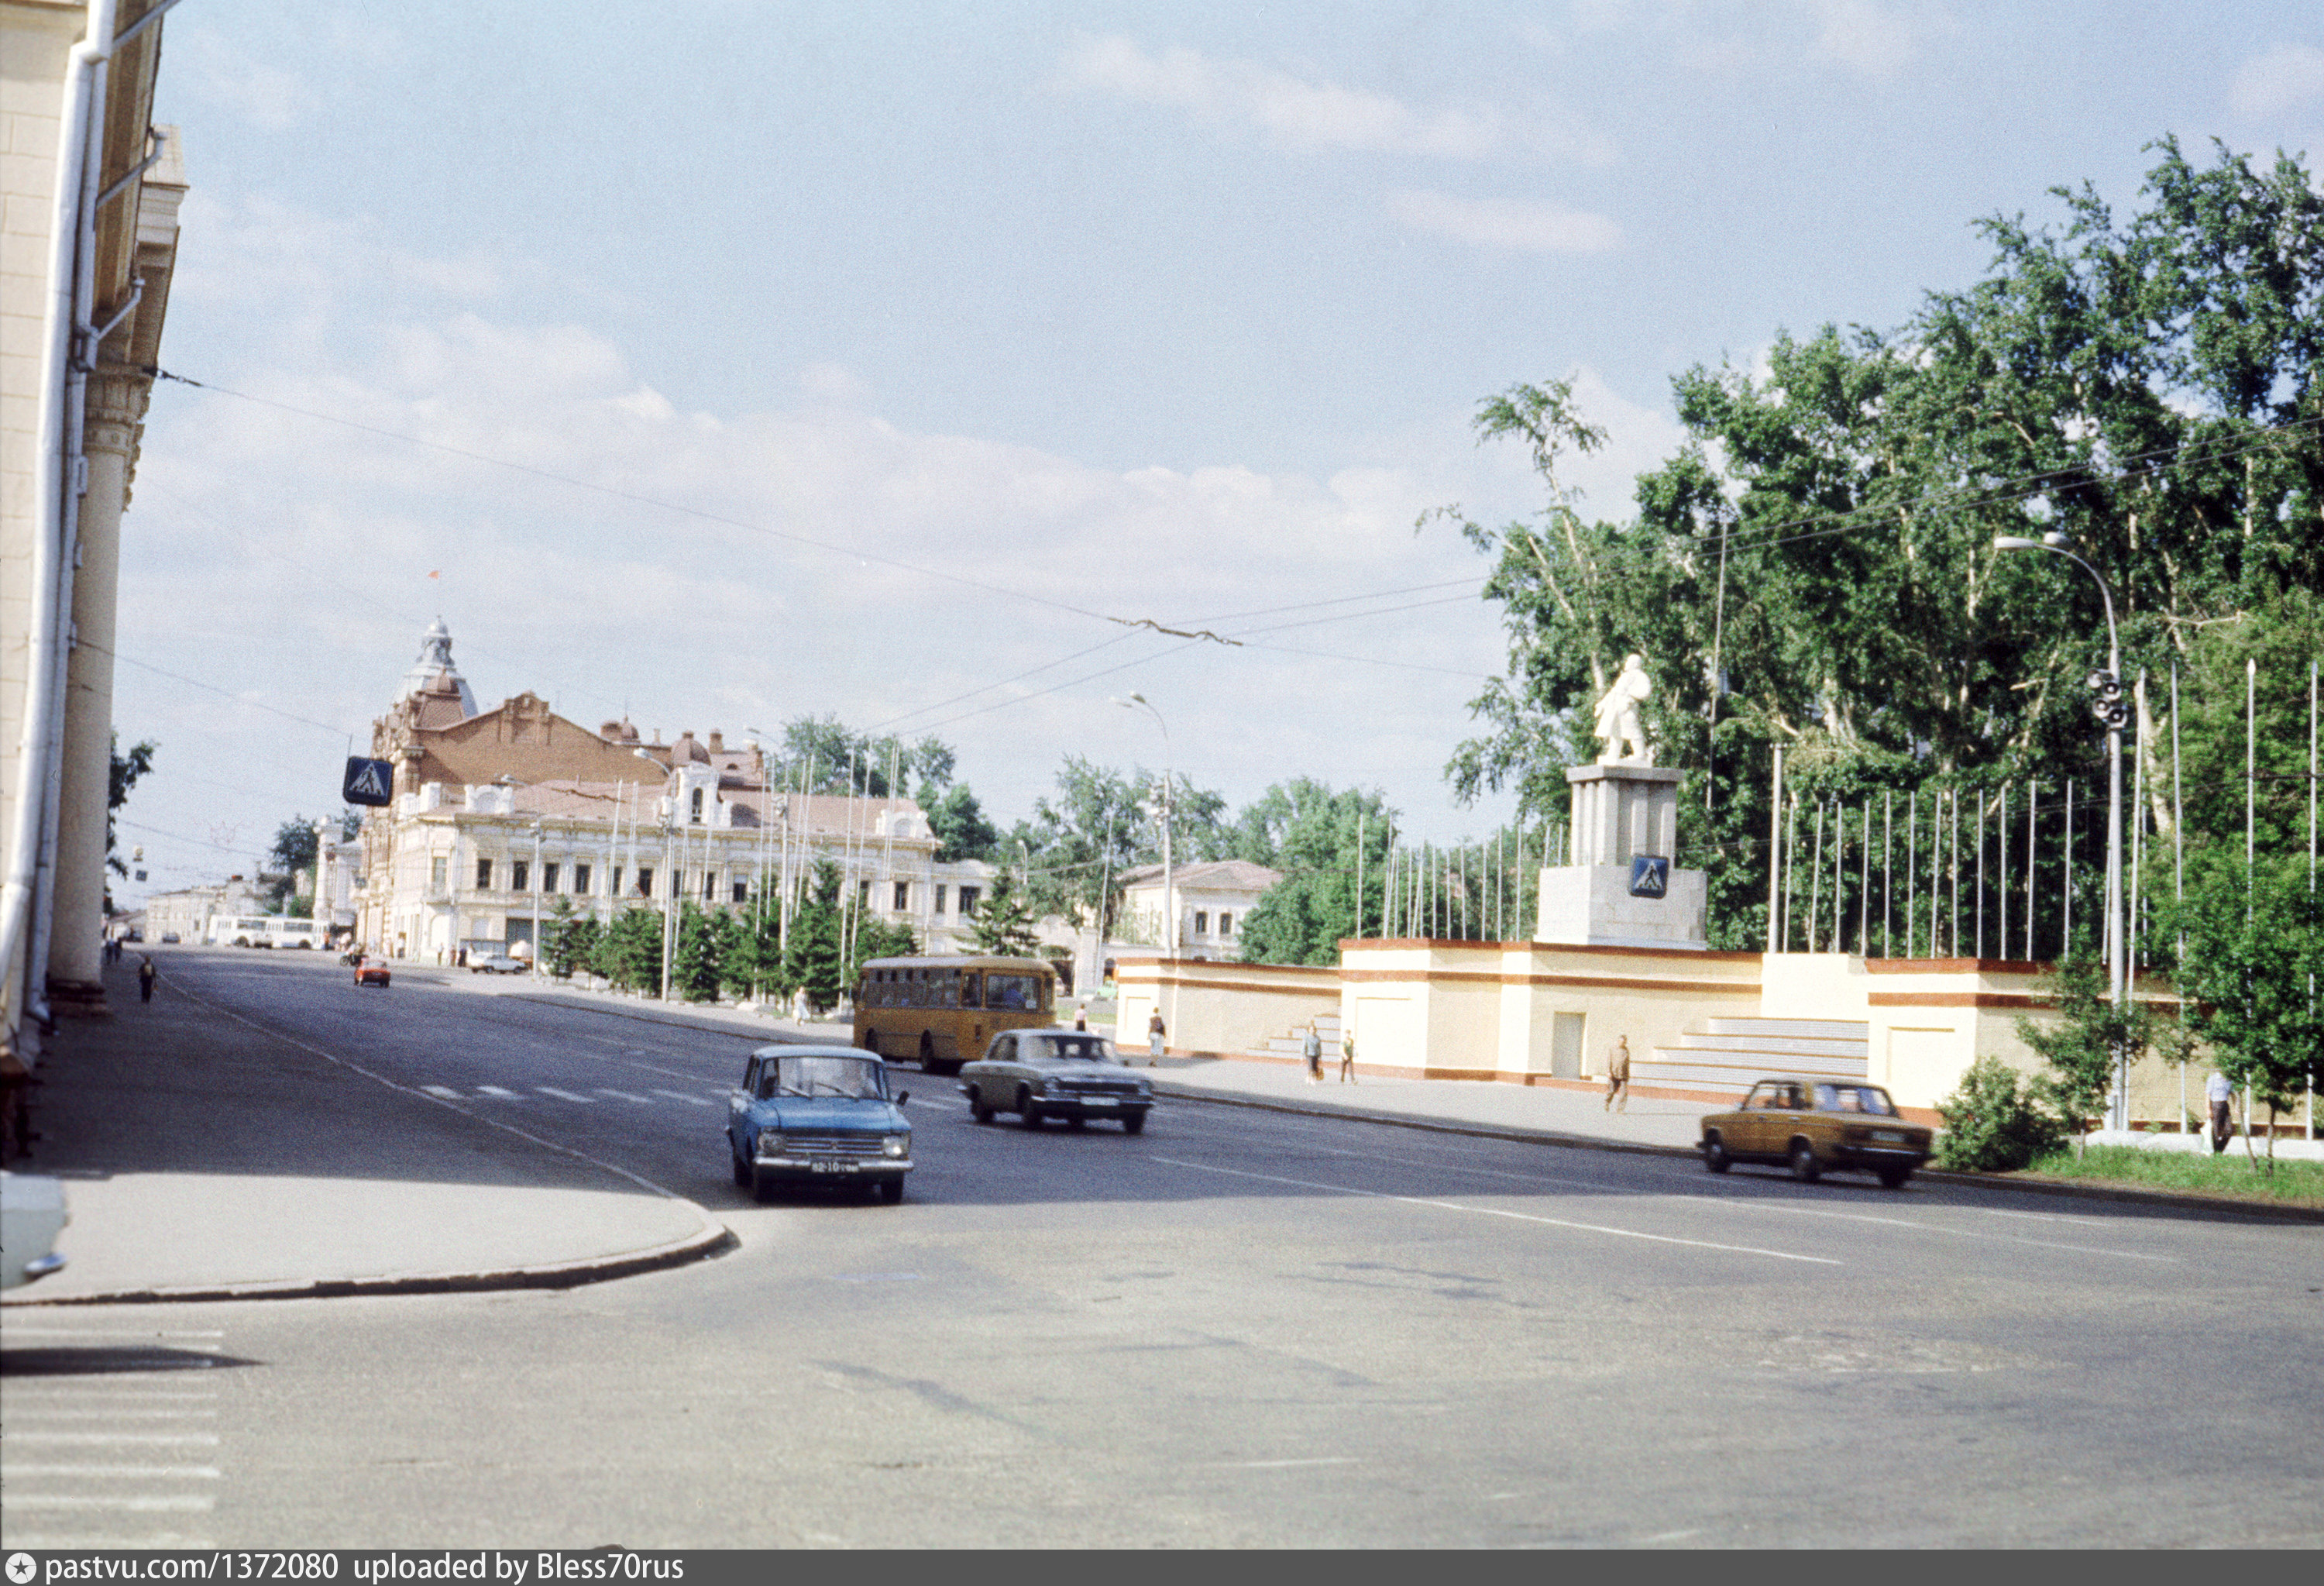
(818, 1115)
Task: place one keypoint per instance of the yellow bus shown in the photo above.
(942, 1010)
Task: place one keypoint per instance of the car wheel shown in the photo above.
(872, 1042)
(1804, 1163)
(1076, 1121)
(1714, 1154)
(1133, 1123)
(976, 1107)
(927, 1053)
(891, 1190)
(1028, 1115)
(1896, 1177)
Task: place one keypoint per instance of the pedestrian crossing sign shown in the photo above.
(368, 781)
(1649, 876)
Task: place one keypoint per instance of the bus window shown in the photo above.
(1020, 992)
(968, 988)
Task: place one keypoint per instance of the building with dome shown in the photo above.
(501, 815)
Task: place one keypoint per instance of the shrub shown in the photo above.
(1992, 1124)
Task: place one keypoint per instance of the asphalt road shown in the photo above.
(1239, 1329)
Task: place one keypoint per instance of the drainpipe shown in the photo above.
(56, 489)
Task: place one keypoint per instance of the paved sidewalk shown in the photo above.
(203, 1159)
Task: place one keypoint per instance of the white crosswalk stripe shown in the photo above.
(442, 1093)
(103, 1461)
(625, 1095)
(495, 1092)
(563, 1095)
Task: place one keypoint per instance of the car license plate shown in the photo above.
(1888, 1134)
(831, 1166)
(1097, 1100)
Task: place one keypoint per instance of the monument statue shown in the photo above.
(1617, 716)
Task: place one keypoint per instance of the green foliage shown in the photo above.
(2150, 389)
(2248, 976)
(1100, 824)
(1992, 1125)
(962, 828)
(1002, 922)
(754, 965)
(814, 964)
(123, 774)
(2232, 1177)
(1312, 835)
(879, 938)
(828, 757)
(2091, 1034)
(707, 939)
(628, 953)
(568, 941)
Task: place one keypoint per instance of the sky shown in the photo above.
(716, 362)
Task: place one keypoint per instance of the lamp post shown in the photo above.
(2108, 708)
(536, 942)
(1169, 891)
(668, 880)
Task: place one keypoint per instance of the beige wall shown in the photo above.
(1214, 1009)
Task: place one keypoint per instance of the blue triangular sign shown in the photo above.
(368, 781)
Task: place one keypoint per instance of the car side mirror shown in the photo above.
(902, 1097)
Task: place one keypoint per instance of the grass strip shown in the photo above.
(2231, 1177)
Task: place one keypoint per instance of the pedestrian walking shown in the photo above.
(1348, 1059)
(1081, 1017)
(1154, 1034)
(1618, 1075)
(2219, 1090)
(147, 976)
(1312, 1049)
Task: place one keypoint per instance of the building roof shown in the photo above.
(1216, 875)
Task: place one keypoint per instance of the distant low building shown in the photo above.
(1213, 897)
(188, 911)
(501, 815)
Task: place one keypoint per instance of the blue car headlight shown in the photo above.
(771, 1142)
(897, 1145)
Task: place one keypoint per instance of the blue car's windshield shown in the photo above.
(854, 1078)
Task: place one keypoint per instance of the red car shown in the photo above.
(370, 972)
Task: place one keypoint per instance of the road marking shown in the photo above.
(1279, 1464)
(1660, 1239)
(495, 1090)
(14, 1331)
(681, 1096)
(82, 1439)
(442, 1093)
(562, 1096)
(120, 1415)
(127, 1472)
(190, 1503)
(625, 1095)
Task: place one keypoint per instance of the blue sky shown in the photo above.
(721, 361)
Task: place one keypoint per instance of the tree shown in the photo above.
(707, 940)
(2149, 389)
(1305, 829)
(1991, 1125)
(125, 770)
(814, 963)
(628, 952)
(568, 940)
(833, 759)
(2091, 1037)
(1002, 924)
(294, 852)
(879, 938)
(961, 827)
(2250, 974)
(1101, 823)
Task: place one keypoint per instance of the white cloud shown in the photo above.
(1875, 41)
(1313, 115)
(2283, 78)
(1879, 40)
(1515, 225)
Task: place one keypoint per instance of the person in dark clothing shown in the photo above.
(147, 976)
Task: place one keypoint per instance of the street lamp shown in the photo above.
(1169, 891)
(668, 880)
(2108, 708)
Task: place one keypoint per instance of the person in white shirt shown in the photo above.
(2220, 1092)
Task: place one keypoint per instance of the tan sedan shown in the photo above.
(1816, 1126)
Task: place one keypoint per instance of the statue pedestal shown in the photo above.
(1620, 886)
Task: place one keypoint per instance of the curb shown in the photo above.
(2037, 1187)
(715, 1239)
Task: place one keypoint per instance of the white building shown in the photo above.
(1213, 897)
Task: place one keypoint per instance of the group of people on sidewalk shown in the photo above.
(1312, 1050)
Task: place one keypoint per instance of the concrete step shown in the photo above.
(1804, 1046)
(1842, 1029)
(1743, 1066)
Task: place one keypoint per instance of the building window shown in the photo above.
(1226, 923)
(520, 875)
(903, 897)
(581, 879)
(645, 880)
(709, 885)
(941, 889)
(1202, 922)
(863, 897)
(548, 878)
(968, 896)
(617, 890)
(742, 891)
(696, 815)
(484, 875)
(437, 867)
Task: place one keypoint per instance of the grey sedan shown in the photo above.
(1042, 1073)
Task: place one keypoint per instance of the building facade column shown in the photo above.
(116, 403)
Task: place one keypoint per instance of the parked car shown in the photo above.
(818, 1115)
(31, 1215)
(169, 936)
(1817, 1126)
(370, 972)
(496, 964)
(1041, 1074)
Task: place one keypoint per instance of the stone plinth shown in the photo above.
(1622, 813)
